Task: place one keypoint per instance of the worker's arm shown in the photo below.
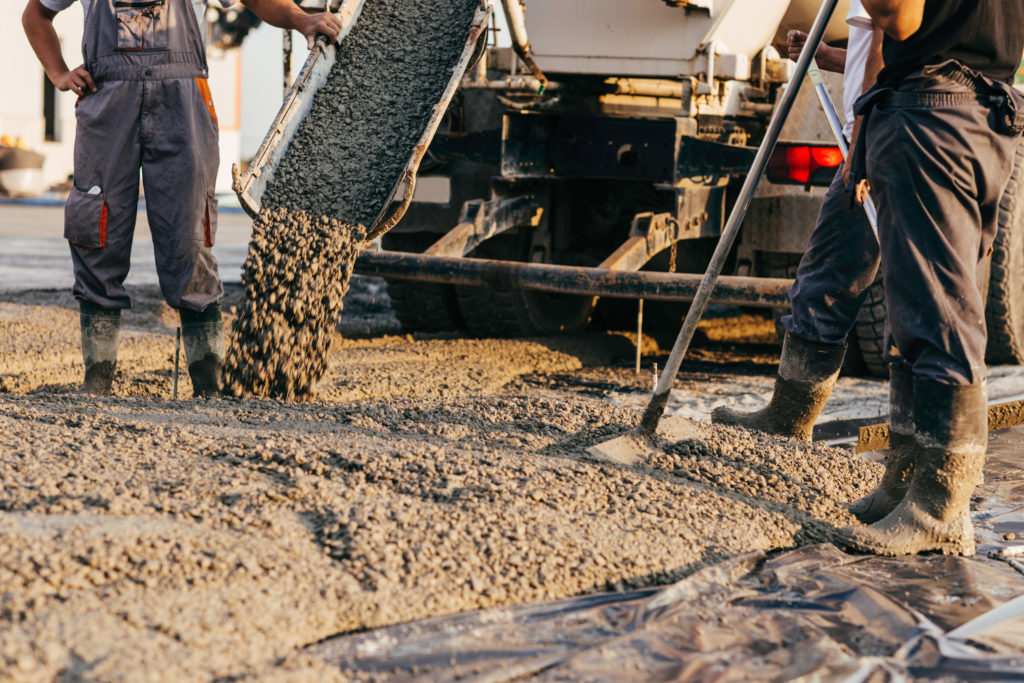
(828, 58)
(286, 14)
(872, 68)
(38, 23)
(898, 19)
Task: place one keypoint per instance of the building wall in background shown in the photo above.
(21, 82)
(247, 87)
(21, 104)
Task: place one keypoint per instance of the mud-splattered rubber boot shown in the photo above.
(899, 464)
(203, 337)
(807, 374)
(101, 329)
(951, 435)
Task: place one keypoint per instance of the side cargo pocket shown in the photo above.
(85, 219)
(210, 220)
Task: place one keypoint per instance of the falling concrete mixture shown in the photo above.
(295, 277)
(337, 175)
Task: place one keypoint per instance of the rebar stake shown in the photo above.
(177, 354)
(639, 334)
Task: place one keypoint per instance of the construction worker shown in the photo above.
(941, 129)
(940, 135)
(836, 270)
(144, 103)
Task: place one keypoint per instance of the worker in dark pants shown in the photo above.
(838, 267)
(144, 103)
(941, 128)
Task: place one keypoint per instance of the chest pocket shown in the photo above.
(142, 24)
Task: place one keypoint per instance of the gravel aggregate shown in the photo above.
(144, 539)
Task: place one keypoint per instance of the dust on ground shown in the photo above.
(142, 538)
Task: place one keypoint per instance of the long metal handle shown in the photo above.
(837, 131)
(656, 407)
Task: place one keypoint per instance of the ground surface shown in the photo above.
(145, 539)
(142, 538)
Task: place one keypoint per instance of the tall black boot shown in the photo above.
(899, 464)
(951, 435)
(807, 374)
(100, 338)
(203, 335)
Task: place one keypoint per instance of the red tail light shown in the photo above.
(795, 164)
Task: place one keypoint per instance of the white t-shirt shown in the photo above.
(198, 5)
(857, 49)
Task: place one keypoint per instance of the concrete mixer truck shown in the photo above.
(610, 139)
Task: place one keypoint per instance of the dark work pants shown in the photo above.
(835, 272)
(937, 172)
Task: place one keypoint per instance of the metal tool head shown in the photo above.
(632, 448)
(637, 446)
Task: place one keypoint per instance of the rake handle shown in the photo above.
(656, 407)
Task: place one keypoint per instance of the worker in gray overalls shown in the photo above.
(144, 103)
(939, 133)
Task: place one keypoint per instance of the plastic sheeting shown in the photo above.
(814, 612)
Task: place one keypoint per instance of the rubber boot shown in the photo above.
(807, 374)
(101, 329)
(951, 435)
(899, 464)
(203, 337)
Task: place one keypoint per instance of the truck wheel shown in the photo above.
(509, 313)
(425, 306)
(421, 306)
(870, 330)
(1004, 312)
(490, 312)
(786, 266)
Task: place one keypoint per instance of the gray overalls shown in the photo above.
(153, 112)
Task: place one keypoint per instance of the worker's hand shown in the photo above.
(78, 81)
(325, 24)
(862, 190)
(828, 58)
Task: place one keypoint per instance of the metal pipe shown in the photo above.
(837, 132)
(520, 41)
(513, 83)
(656, 408)
(617, 86)
(541, 277)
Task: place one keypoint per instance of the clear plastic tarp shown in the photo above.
(814, 612)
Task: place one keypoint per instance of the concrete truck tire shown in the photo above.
(491, 312)
(421, 306)
(1004, 311)
(425, 306)
(870, 331)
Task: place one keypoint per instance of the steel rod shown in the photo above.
(735, 291)
(837, 132)
(177, 355)
(656, 407)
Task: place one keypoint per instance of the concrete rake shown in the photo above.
(633, 447)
